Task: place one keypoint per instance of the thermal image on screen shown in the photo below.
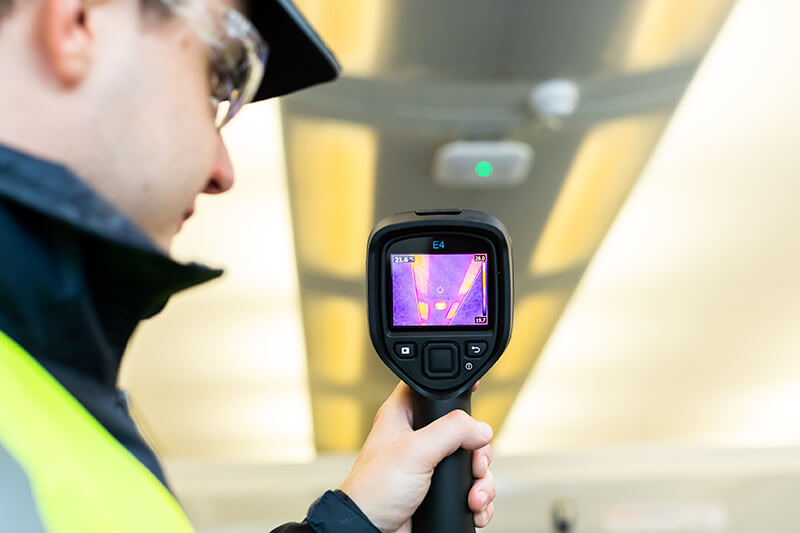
(439, 290)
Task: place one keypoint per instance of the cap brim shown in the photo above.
(297, 56)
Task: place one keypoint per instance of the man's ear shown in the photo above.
(66, 38)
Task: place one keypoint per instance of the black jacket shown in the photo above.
(76, 277)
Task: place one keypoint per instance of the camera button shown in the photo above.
(405, 350)
(441, 360)
(476, 349)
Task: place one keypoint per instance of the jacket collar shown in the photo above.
(77, 275)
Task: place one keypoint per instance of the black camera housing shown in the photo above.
(440, 362)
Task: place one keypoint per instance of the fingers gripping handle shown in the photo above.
(445, 509)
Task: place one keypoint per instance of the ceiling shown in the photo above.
(681, 331)
(363, 148)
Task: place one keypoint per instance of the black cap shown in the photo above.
(297, 56)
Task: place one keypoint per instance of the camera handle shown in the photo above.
(445, 507)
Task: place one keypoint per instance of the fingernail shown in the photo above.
(485, 462)
(486, 430)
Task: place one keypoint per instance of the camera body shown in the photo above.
(440, 297)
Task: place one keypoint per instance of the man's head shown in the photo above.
(118, 90)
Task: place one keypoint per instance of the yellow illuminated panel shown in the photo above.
(534, 318)
(423, 311)
(352, 28)
(472, 274)
(337, 329)
(603, 171)
(334, 181)
(453, 310)
(492, 407)
(667, 31)
(337, 423)
(421, 269)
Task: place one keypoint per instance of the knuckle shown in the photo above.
(491, 486)
(454, 421)
(487, 485)
(459, 417)
(482, 518)
(380, 413)
(477, 461)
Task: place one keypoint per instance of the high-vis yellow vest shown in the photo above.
(82, 479)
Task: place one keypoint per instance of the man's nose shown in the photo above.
(221, 178)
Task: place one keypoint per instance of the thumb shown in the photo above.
(447, 434)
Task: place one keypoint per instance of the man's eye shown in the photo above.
(216, 82)
(221, 85)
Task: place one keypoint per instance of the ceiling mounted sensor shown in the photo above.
(482, 164)
(555, 100)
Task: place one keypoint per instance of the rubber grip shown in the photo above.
(445, 508)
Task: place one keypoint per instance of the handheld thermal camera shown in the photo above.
(440, 299)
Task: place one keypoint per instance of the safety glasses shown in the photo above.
(237, 53)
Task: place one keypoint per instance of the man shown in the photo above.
(106, 138)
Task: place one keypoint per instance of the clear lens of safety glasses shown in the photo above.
(237, 54)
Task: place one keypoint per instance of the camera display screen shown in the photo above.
(439, 289)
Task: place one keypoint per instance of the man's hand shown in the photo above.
(392, 473)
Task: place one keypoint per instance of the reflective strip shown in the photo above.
(83, 479)
(17, 507)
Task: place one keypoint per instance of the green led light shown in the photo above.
(484, 169)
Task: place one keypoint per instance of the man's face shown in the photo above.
(155, 145)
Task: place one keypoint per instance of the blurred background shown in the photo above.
(652, 382)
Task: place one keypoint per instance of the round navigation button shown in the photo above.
(440, 360)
